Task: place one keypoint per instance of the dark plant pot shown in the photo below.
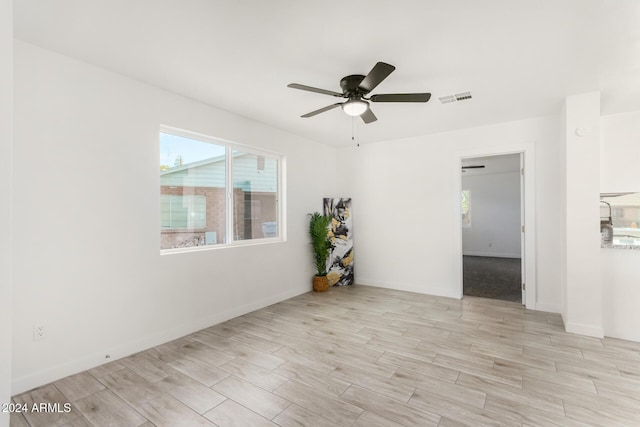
(320, 283)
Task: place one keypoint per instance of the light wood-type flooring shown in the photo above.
(362, 356)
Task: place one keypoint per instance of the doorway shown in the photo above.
(492, 221)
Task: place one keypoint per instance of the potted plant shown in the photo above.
(319, 232)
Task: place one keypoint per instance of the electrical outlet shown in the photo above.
(38, 332)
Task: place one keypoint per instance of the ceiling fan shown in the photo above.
(355, 89)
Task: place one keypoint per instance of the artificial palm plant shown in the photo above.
(319, 232)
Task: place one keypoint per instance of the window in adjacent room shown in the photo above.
(466, 208)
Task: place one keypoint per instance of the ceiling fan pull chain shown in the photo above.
(353, 127)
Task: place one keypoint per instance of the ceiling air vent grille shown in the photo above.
(447, 99)
(455, 98)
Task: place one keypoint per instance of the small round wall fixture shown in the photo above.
(583, 131)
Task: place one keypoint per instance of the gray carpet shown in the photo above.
(489, 277)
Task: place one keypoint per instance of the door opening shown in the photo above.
(492, 222)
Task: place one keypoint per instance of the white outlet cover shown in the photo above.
(38, 332)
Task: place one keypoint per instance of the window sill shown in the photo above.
(236, 244)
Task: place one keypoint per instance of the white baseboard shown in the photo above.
(54, 373)
(624, 335)
(588, 330)
(549, 308)
(421, 289)
(491, 254)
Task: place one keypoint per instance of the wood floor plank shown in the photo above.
(377, 367)
(369, 419)
(388, 408)
(255, 341)
(261, 358)
(17, 419)
(80, 385)
(232, 414)
(175, 349)
(454, 410)
(601, 414)
(553, 380)
(543, 400)
(478, 366)
(255, 374)
(629, 369)
(106, 369)
(131, 387)
(146, 366)
(83, 422)
(296, 416)
(211, 356)
(105, 408)
(212, 340)
(165, 411)
(267, 404)
(413, 374)
(454, 392)
(190, 392)
(371, 381)
(199, 370)
(519, 413)
(336, 410)
(306, 358)
(314, 379)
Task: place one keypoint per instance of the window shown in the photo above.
(198, 206)
(466, 208)
(621, 211)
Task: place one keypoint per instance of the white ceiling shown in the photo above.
(519, 58)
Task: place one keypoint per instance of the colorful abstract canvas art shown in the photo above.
(340, 268)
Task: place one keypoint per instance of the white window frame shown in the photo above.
(280, 192)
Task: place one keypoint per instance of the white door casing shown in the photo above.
(527, 196)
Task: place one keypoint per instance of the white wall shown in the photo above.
(619, 160)
(495, 215)
(620, 152)
(582, 313)
(405, 201)
(6, 141)
(87, 263)
(621, 293)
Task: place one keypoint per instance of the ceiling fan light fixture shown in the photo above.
(355, 107)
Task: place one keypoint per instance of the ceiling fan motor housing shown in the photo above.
(350, 85)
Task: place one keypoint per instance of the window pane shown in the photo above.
(255, 189)
(183, 211)
(192, 192)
